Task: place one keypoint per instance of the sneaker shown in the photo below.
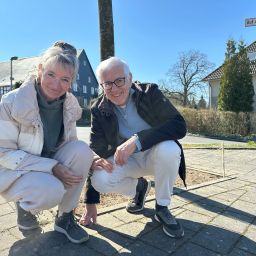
(26, 220)
(67, 225)
(137, 203)
(171, 226)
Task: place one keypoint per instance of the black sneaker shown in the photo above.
(137, 203)
(67, 225)
(171, 226)
(26, 220)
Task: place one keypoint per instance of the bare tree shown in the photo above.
(185, 77)
(107, 46)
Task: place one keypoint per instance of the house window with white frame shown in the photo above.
(92, 91)
(75, 87)
(85, 102)
(89, 79)
(84, 62)
(4, 89)
(84, 89)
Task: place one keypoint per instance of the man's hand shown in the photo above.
(89, 216)
(102, 164)
(124, 151)
(64, 174)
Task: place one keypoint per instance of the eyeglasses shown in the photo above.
(66, 47)
(118, 82)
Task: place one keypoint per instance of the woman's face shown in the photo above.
(56, 79)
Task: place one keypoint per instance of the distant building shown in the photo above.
(214, 77)
(85, 88)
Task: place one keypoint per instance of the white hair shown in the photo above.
(110, 63)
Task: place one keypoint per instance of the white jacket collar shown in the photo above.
(25, 107)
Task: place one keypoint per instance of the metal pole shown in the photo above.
(11, 78)
(11, 75)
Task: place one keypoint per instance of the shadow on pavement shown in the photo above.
(29, 233)
(216, 207)
(51, 244)
(200, 239)
(145, 236)
(140, 238)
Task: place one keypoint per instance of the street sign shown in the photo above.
(250, 22)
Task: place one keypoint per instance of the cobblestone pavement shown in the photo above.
(236, 162)
(219, 218)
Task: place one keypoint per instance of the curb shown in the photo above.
(218, 148)
(121, 206)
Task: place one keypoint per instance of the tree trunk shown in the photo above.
(185, 99)
(107, 47)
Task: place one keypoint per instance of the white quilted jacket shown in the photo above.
(21, 132)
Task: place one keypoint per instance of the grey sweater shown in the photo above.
(51, 114)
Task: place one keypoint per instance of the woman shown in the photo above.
(42, 164)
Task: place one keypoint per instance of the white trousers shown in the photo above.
(38, 191)
(162, 161)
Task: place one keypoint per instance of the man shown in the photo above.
(135, 131)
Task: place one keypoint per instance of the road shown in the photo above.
(83, 134)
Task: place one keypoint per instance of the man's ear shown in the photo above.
(40, 70)
(130, 78)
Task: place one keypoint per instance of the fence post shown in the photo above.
(223, 159)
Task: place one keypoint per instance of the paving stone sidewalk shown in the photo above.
(236, 161)
(218, 217)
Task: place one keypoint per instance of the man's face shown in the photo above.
(116, 94)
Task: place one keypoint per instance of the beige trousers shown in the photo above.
(162, 161)
(38, 191)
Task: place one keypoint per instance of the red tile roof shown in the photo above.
(217, 73)
(251, 47)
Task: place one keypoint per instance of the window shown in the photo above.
(84, 62)
(92, 91)
(89, 79)
(85, 102)
(251, 56)
(77, 76)
(4, 89)
(75, 87)
(84, 89)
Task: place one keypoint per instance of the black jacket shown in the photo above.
(154, 108)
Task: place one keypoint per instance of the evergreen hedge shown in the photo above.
(208, 122)
(219, 123)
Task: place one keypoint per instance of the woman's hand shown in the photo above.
(89, 215)
(64, 174)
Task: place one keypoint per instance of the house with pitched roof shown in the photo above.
(85, 88)
(214, 77)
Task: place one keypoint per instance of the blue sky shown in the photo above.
(149, 34)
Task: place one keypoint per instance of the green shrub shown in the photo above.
(85, 118)
(212, 122)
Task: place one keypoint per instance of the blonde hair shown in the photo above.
(61, 53)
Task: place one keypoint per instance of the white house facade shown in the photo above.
(214, 77)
